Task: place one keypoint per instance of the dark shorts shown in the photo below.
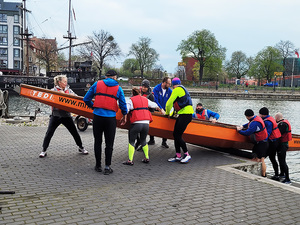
(260, 150)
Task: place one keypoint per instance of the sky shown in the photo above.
(238, 25)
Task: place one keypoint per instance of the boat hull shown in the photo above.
(198, 132)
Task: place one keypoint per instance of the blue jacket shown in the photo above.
(254, 126)
(209, 114)
(105, 112)
(159, 98)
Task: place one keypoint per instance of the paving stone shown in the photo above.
(63, 187)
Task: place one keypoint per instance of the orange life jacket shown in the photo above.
(288, 135)
(201, 115)
(275, 131)
(262, 134)
(141, 110)
(106, 97)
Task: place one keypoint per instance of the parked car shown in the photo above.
(122, 78)
(271, 84)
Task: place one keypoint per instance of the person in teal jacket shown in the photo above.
(181, 101)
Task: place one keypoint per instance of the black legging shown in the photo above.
(281, 153)
(273, 145)
(54, 122)
(106, 125)
(180, 125)
(138, 130)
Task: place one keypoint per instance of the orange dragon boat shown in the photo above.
(199, 132)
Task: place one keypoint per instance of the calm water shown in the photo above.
(231, 111)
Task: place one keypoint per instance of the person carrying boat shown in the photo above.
(140, 117)
(145, 91)
(61, 117)
(286, 135)
(273, 138)
(181, 101)
(205, 114)
(162, 93)
(257, 132)
(107, 93)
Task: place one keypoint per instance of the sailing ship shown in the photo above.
(80, 75)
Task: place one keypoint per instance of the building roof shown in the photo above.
(9, 6)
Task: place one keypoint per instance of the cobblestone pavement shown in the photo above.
(63, 188)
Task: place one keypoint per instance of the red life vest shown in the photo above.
(275, 131)
(201, 115)
(141, 110)
(262, 134)
(288, 135)
(106, 97)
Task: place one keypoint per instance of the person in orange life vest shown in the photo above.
(145, 91)
(273, 138)
(181, 101)
(286, 135)
(61, 117)
(205, 114)
(106, 92)
(140, 117)
(162, 93)
(257, 132)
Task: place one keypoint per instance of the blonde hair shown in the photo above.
(59, 78)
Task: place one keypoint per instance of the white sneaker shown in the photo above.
(186, 158)
(175, 159)
(83, 151)
(43, 154)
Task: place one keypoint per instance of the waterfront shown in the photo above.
(231, 111)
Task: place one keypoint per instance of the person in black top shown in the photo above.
(286, 135)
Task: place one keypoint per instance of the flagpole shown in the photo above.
(293, 73)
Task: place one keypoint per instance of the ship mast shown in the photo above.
(69, 36)
(26, 37)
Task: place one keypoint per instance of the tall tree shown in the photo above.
(287, 49)
(238, 66)
(266, 62)
(130, 65)
(144, 54)
(102, 48)
(46, 53)
(203, 46)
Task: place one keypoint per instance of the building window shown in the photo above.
(16, 64)
(16, 53)
(16, 41)
(30, 59)
(3, 52)
(3, 29)
(3, 17)
(3, 40)
(3, 63)
(16, 19)
(16, 30)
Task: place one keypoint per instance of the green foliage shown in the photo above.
(145, 56)
(130, 65)
(203, 46)
(239, 65)
(266, 62)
